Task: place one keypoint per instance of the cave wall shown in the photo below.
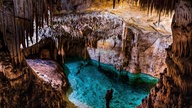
(68, 6)
(17, 18)
(20, 87)
(174, 86)
(44, 49)
(118, 43)
(101, 33)
(75, 6)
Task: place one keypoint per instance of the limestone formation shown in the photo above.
(90, 36)
(118, 43)
(20, 87)
(174, 87)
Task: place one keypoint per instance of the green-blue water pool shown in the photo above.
(89, 85)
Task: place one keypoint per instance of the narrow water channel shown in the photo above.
(89, 85)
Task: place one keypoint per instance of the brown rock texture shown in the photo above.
(50, 72)
(21, 87)
(174, 87)
(68, 6)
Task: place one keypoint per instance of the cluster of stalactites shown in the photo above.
(33, 10)
(161, 6)
(183, 14)
(180, 53)
(75, 5)
(16, 20)
(60, 47)
(182, 30)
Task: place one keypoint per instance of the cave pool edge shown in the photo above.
(89, 85)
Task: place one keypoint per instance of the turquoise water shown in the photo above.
(89, 85)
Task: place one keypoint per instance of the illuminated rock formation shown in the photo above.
(129, 47)
(118, 43)
(20, 87)
(174, 86)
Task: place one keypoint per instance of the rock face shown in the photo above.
(22, 88)
(74, 5)
(50, 72)
(174, 87)
(117, 43)
(152, 52)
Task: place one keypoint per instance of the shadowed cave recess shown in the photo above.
(69, 53)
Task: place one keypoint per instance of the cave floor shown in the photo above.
(89, 87)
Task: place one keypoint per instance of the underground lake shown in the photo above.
(89, 85)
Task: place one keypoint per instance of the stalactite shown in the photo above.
(3, 27)
(68, 46)
(85, 54)
(62, 54)
(124, 35)
(37, 13)
(17, 41)
(59, 52)
(36, 29)
(42, 17)
(12, 52)
(26, 39)
(56, 43)
(59, 43)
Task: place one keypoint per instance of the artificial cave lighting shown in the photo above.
(95, 53)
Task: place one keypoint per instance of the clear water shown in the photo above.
(89, 86)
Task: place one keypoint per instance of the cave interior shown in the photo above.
(95, 53)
